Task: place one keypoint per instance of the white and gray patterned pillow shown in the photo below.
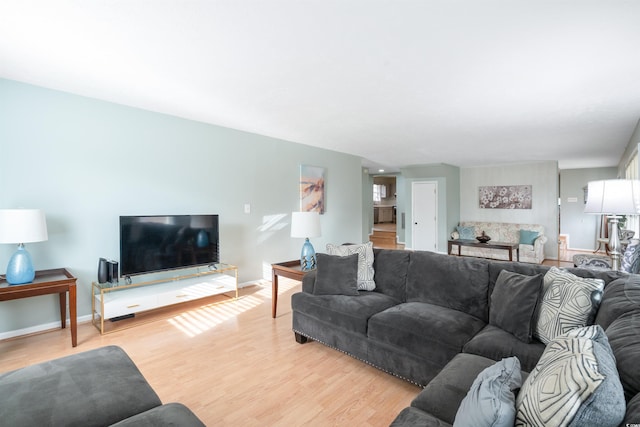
(365, 262)
(568, 302)
(574, 384)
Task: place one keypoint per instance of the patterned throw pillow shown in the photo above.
(365, 262)
(568, 302)
(575, 383)
(466, 233)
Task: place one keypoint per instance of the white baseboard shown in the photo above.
(40, 328)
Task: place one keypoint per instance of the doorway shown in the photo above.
(384, 212)
(424, 215)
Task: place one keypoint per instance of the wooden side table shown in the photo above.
(288, 269)
(54, 281)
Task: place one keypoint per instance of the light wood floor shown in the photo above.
(234, 365)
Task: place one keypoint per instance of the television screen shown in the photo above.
(164, 242)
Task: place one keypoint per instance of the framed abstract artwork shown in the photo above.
(311, 189)
(505, 197)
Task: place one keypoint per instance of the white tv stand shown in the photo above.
(136, 294)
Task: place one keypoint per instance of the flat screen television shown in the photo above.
(164, 242)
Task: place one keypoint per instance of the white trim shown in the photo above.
(41, 328)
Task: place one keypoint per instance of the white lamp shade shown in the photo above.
(305, 224)
(614, 197)
(22, 226)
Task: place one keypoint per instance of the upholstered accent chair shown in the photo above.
(630, 261)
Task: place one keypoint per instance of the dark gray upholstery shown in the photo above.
(427, 322)
(411, 416)
(168, 415)
(496, 344)
(94, 388)
(349, 312)
(430, 279)
(434, 332)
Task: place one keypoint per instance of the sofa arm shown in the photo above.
(538, 243)
(309, 281)
(455, 235)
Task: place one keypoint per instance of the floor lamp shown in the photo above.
(613, 197)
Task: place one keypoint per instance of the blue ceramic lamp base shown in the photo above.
(307, 256)
(20, 268)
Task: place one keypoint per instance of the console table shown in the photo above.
(288, 269)
(510, 247)
(54, 281)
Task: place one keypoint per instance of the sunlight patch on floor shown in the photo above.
(196, 321)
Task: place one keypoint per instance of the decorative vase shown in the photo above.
(483, 238)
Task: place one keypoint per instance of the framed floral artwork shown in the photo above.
(311, 189)
(505, 197)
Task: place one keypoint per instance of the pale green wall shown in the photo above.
(86, 162)
(542, 176)
(582, 228)
(448, 179)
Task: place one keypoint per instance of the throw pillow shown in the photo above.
(528, 237)
(575, 383)
(568, 302)
(513, 303)
(336, 275)
(365, 262)
(466, 233)
(491, 400)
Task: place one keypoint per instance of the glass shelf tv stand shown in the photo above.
(144, 292)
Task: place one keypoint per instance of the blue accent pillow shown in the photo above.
(527, 237)
(466, 233)
(491, 400)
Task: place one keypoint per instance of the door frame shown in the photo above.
(413, 201)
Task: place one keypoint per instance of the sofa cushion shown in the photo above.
(347, 312)
(391, 267)
(575, 383)
(69, 392)
(513, 303)
(496, 344)
(633, 411)
(528, 237)
(169, 415)
(624, 337)
(412, 417)
(365, 262)
(427, 330)
(454, 282)
(621, 296)
(336, 275)
(491, 400)
(466, 233)
(443, 395)
(568, 302)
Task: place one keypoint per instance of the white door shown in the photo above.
(424, 216)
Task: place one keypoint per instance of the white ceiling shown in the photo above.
(467, 83)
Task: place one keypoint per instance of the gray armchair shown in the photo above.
(630, 261)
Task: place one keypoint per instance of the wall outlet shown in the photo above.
(247, 208)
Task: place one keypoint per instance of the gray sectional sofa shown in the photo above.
(434, 320)
(101, 387)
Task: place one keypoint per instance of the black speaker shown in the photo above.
(103, 274)
(112, 271)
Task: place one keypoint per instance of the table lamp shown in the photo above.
(306, 225)
(21, 226)
(613, 197)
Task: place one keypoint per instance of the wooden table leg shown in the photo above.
(510, 254)
(73, 315)
(274, 293)
(63, 309)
